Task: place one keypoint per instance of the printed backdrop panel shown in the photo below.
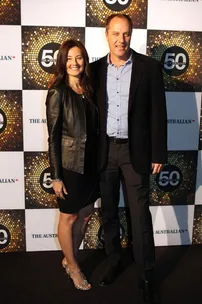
(41, 230)
(183, 111)
(38, 187)
(176, 182)
(197, 227)
(139, 41)
(34, 121)
(31, 33)
(182, 15)
(10, 12)
(172, 225)
(198, 200)
(99, 47)
(53, 12)
(11, 121)
(181, 57)
(10, 58)
(12, 180)
(98, 11)
(12, 230)
(39, 52)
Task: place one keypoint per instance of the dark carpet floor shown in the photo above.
(38, 278)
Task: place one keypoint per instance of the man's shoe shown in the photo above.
(149, 292)
(109, 276)
(148, 287)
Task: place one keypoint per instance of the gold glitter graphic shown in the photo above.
(191, 42)
(184, 194)
(197, 227)
(10, 12)
(38, 191)
(92, 237)
(12, 230)
(34, 38)
(97, 13)
(11, 137)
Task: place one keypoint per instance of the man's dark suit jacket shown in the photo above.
(147, 118)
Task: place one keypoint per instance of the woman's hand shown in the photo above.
(59, 189)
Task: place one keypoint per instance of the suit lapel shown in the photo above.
(102, 90)
(135, 77)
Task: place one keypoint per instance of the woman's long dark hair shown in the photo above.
(61, 75)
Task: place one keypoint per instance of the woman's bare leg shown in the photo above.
(65, 226)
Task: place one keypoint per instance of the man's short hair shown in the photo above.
(122, 16)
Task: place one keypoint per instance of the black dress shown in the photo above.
(83, 188)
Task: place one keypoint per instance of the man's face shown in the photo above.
(118, 37)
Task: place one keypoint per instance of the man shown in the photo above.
(133, 143)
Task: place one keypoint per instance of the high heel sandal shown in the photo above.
(64, 263)
(85, 285)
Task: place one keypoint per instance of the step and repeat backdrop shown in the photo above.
(31, 33)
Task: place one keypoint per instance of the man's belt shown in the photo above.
(118, 141)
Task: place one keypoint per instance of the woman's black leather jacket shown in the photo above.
(66, 122)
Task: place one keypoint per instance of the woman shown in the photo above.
(72, 129)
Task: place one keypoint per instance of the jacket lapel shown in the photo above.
(102, 91)
(135, 77)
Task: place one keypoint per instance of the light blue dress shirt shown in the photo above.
(118, 86)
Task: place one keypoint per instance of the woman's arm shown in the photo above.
(54, 124)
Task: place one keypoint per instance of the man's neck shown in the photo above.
(118, 61)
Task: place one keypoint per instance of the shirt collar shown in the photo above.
(130, 60)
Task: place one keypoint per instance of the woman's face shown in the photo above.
(75, 62)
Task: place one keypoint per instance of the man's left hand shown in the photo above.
(156, 168)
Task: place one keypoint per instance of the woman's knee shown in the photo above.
(68, 219)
